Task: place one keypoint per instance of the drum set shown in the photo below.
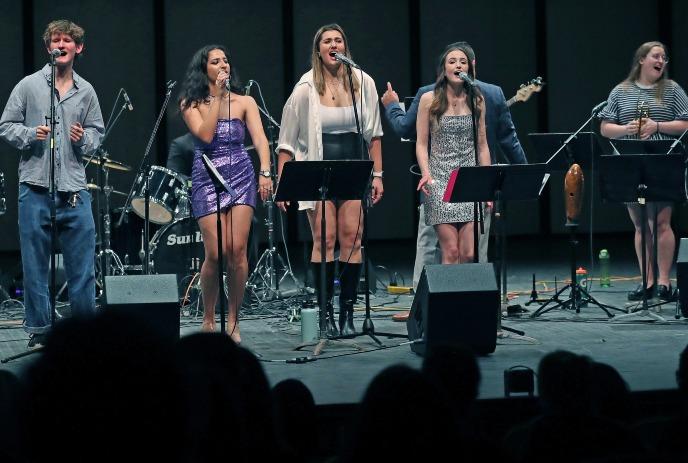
(176, 246)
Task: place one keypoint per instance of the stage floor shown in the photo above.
(644, 351)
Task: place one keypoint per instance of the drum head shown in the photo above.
(164, 186)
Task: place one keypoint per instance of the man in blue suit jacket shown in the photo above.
(501, 135)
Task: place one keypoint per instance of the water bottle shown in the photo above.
(309, 322)
(605, 280)
(582, 280)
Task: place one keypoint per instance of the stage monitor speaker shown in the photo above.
(682, 276)
(153, 299)
(455, 305)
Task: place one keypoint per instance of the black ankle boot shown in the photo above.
(327, 323)
(348, 285)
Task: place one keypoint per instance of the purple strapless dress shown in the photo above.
(229, 156)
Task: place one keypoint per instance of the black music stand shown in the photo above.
(630, 147)
(640, 178)
(323, 181)
(220, 185)
(497, 183)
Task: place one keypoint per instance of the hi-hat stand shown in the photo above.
(108, 261)
(271, 270)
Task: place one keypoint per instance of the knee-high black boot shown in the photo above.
(348, 285)
(327, 323)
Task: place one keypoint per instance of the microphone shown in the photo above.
(57, 52)
(596, 110)
(247, 89)
(348, 61)
(127, 101)
(463, 76)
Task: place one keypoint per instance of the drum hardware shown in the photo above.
(111, 260)
(107, 162)
(3, 201)
(271, 270)
(143, 174)
(165, 186)
(264, 282)
(94, 187)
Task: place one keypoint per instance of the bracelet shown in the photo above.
(378, 174)
(657, 127)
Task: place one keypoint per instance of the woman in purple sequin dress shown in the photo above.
(218, 118)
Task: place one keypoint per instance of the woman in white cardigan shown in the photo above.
(318, 123)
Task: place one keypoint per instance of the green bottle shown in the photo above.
(605, 280)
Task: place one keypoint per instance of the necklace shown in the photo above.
(333, 90)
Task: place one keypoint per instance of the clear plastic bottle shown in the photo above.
(605, 279)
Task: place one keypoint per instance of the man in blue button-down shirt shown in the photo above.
(78, 131)
(500, 133)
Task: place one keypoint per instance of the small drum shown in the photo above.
(165, 186)
(178, 248)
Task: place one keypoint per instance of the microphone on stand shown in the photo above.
(127, 101)
(57, 52)
(346, 60)
(463, 76)
(247, 89)
(596, 110)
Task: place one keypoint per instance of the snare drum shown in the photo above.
(165, 186)
(178, 248)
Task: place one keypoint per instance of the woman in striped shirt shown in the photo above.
(665, 105)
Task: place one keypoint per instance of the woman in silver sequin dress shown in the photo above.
(217, 115)
(444, 121)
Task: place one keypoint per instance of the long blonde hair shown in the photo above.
(634, 74)
(316, 60)
(440, 103)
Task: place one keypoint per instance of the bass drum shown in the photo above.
(178, 248)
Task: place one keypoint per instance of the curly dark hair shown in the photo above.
(195, 88)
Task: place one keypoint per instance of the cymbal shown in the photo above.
(107, 163)
(93, 186)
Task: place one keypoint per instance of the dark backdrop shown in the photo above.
(582, 49)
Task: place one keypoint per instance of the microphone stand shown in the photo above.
(53, 215)
(219, 187)
(677, 142)
(53, 187)
(368, 327)
(144, 174)
(477, 211)
(578, 295)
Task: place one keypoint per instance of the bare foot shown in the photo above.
(235, 335)
(208, 327)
